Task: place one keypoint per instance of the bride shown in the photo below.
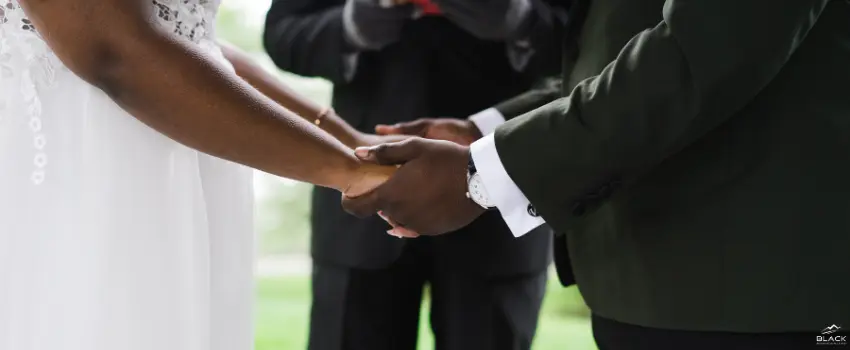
(117, 230)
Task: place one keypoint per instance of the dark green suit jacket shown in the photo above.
(699, 168)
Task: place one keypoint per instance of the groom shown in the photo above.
(700, 177)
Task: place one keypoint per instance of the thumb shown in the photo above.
(415, 128)
(391, 153)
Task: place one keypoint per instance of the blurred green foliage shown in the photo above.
(282, 219)
(233, 25)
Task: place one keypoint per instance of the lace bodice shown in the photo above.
(28, 66)
(192, 19)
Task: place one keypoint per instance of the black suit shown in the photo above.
(486, 285)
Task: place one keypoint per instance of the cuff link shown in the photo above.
(532, 211)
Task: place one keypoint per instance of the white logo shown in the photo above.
(828, 336)
(831, 329)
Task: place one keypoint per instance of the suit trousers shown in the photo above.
(356, 309)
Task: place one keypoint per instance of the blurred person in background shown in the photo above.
(392, 64)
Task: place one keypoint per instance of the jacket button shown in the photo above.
(579, 209)
(532, 211)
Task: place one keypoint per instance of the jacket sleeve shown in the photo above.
(668, 87)
(305, 37)
(547, 91)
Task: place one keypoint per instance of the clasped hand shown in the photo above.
(426, 195)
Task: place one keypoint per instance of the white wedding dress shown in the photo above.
(112, 236)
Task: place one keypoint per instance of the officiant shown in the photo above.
(392, 63)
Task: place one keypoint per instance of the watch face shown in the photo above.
(478, 193)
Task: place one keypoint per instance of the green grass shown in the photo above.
(283, 308)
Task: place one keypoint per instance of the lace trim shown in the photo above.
(27, 65)
(26, 60)
(184, 18)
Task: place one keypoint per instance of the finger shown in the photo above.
(363, 206)
(397, 229)
(387, 219)
(391, 153)
(402, 232)
(416, 128)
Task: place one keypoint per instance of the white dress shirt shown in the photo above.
(516, 210)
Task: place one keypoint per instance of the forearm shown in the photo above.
(275, 89)
(212, 110)
(176, 89)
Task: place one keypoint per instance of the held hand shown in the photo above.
(365, 140)
(367, 178)
(427, 194)
(460, 131)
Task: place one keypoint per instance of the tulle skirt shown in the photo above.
(112, 236)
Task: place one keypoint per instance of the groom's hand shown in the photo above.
(460, 131)
(428, 192)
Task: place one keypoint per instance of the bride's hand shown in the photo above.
(366, 178)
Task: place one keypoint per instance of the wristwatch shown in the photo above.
(475, 187)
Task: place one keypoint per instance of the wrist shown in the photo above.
(476, 191)
(366, 178)
(358, 139)
(473, 130)
(333, 124)
(344, 173)
(486, 121)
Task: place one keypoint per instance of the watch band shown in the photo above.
(470, 166)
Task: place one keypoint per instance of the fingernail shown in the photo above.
(362, 152)
(394, 234)
(405, 232)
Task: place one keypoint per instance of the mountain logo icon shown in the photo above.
(831, 329)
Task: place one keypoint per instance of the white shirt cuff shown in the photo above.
(487, 120)
(514, 206)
